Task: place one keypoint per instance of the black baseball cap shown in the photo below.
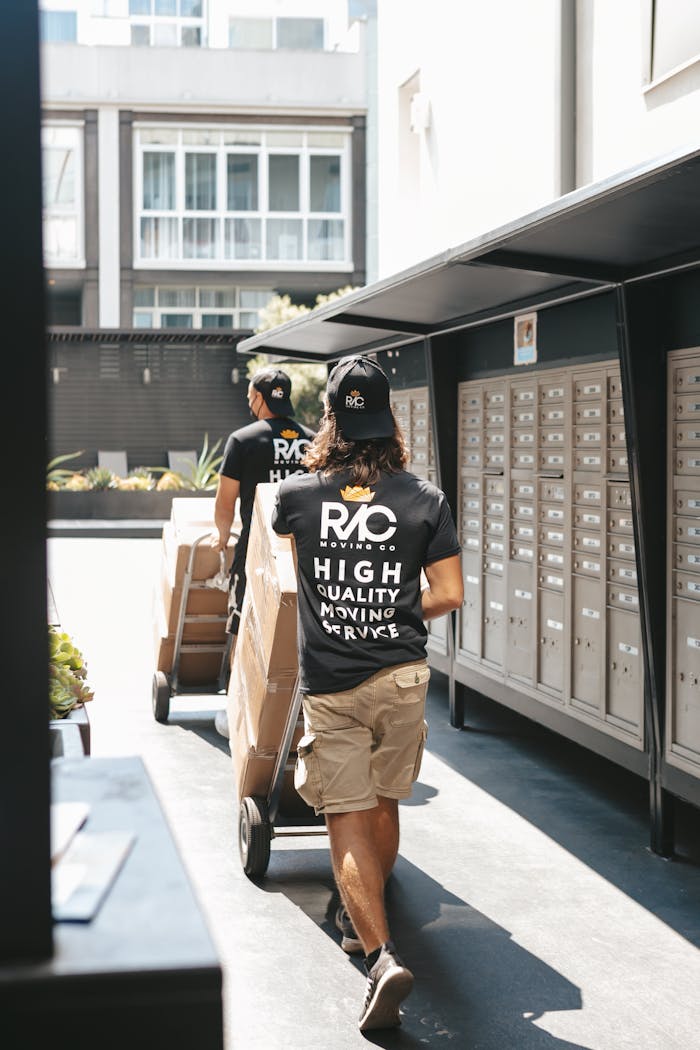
(276, 388)
(358, 394)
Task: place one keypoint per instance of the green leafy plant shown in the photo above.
(67, 674)
(204, 475)
(57, 476)
(100, 478)
(140, 479)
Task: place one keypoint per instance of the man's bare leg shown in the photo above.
(364, 845)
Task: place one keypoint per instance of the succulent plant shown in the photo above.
(100, 478)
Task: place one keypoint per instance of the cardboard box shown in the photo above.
(209, 601)
(272, 585)
(259, 696)
(177, 544)
(197, 667)
(253, 770)
(261, 685)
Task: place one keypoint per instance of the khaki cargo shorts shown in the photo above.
(363, 742)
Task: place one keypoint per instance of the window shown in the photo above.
(265, 34)
(676, 35)
(218, 308)
(300, 34)
(166, 23)
(58, 27)
(250, 34)
(62, 189)
(239, 197)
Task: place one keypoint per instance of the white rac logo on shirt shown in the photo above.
(368, 523)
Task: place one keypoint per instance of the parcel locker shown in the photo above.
(551, 640)
(683, 611)
(684, 721)
(470, 616)
(494, 617)
(555, 526)
(625, 672)
(520, 627)
(587, 633)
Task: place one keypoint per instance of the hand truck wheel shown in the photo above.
(161, 697)
(254, 835)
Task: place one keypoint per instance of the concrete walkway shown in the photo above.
(525, 899)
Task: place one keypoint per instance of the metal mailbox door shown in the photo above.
(685, 726)
(520, 626)
(625, 677)
(494, 619)
(470, 615)
(587, 658)
(551, 640)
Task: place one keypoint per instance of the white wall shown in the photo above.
(261, 81)
(490, 72)
(621, 121)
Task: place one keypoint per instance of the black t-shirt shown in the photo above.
(360, 552)
(264, 451)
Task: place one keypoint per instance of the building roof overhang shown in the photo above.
(636, 225)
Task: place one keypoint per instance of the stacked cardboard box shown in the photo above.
(261, 687)
(190, 519)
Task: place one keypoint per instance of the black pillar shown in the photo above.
(441, 370)
(25, 889)
(640, 313)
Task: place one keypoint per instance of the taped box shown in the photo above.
(263, 677)
(260, 696)
(201, 601)
(272, 585)
(253, 770)
(200, 666)
(177, 544)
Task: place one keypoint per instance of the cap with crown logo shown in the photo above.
(276, 388)
(358, 394)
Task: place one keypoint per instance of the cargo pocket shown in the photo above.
(409, 704)
(307, 779)
(421, 748)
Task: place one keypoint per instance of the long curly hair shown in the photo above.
(366, 460)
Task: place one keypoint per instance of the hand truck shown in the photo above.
(257, 816)
(166, 686)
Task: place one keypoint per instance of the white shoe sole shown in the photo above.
(383, 1009)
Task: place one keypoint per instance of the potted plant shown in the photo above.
(99, 494)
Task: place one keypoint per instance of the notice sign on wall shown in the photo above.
(525, 339)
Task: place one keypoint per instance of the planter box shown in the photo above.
(78, 717)
(112, 504)
(65, 740)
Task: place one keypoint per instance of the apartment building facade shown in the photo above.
(199, 155)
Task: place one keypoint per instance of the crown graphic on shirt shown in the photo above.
(290, 434)
(277, 392)
(356, 494)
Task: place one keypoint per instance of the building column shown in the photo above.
(108, 197)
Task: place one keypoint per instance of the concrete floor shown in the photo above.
(524, 899)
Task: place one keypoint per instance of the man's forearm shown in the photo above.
(435, 605)
(223, 519)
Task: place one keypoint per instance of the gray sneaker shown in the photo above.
(221, 722)
(350, 943)
(388, 984)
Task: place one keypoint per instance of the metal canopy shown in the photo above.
(637, 224)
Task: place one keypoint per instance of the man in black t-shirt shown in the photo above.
(267, 450)
(365, 530)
